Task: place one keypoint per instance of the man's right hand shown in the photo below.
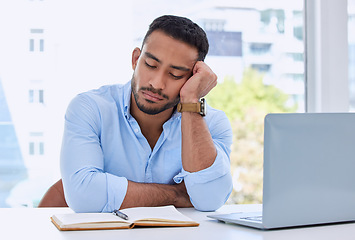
(183, 199)
(153, 194)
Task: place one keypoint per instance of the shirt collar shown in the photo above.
(176, 115)
(127, 99)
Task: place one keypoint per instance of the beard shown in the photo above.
(151, 110)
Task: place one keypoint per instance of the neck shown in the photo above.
(151, 125)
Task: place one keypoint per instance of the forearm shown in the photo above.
(198, 150)
(153, 194)
(210, 187)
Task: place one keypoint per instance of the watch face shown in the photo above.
(203, 107)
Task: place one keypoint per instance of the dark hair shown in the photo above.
(183, 29)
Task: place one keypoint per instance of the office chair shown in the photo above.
(54, 197)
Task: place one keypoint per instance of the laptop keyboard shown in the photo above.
(254, 218)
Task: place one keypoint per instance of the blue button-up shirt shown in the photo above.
(103, 147)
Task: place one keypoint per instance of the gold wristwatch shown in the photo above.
(199, 107)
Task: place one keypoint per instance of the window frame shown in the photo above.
(326, 51)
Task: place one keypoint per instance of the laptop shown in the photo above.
(309, 172)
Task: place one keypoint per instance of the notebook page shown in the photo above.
(165, 212)
(75, 218)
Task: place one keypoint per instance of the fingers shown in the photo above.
(208, 79)
(201, 82)
(204, 69)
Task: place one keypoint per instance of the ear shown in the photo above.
(135, 56)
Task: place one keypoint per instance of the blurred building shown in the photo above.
(265, 37)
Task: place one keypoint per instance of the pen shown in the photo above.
(120, 214)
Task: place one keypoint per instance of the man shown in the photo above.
(128, 146)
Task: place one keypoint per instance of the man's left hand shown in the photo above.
(201, 82)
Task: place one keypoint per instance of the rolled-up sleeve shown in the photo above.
(87, 187)
(210, 188)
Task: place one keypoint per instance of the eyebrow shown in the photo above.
(185, 69)
(148, 54)
(180, 68)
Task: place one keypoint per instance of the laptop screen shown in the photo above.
(309, 163)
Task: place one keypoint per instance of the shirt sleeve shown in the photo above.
(210, 188)
(87, 187)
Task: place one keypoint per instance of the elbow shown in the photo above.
(212, 195)
(96, 192)
(207, 207)
(77, 207)
(80, 202)
(82, 195)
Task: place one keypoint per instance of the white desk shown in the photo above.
(34, 223)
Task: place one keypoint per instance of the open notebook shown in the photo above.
(167, 216)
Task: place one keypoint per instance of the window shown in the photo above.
(31, 96)
(36, 89)
(260, 48)
(215, 25)
(36, 148)
(32, 45)
(36, 144)
(256, 49)
(32, 148)
(224, 43)
(36, 96)
(41, 45)
(41, 148)
(36, 40)
(263, 68)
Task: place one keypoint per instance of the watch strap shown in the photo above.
(199, 107)
(189, 107)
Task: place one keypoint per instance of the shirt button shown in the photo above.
(136, 130)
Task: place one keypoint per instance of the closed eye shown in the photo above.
(150, 66)
(176, 77)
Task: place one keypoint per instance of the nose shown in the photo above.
(158, 80)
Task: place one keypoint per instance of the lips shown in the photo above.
(152, 96)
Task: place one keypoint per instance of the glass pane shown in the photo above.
(41, 148)
(40, 96)
(32, 148)
(256, 49)
(32, 45)
(30, 96)
(351, 38)
(41, 45)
